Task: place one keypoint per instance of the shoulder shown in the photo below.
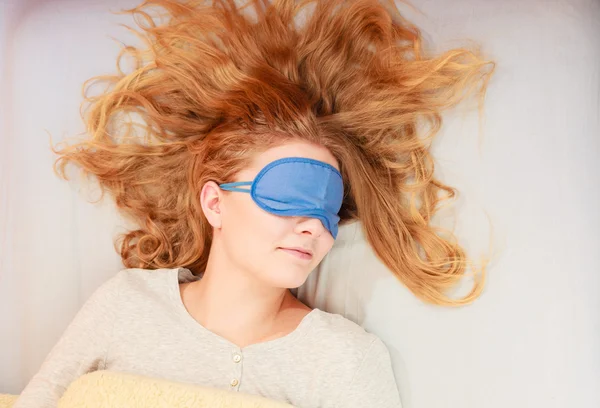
(355, 364)
(136, 284)
(139, 276)
(152, 280)
(345, 340)
(336, 328)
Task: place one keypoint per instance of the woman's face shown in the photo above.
(252, 239)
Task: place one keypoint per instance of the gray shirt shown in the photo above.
(137, 323)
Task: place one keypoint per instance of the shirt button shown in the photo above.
(234, 382)
(237, 358)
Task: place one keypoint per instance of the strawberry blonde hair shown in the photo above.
(215, 85)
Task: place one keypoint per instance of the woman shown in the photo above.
(263, 134)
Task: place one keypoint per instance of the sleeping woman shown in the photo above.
(264, 128)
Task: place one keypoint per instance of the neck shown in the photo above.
(229, 299)
(235, 305)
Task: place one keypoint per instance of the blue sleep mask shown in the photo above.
(297, 186)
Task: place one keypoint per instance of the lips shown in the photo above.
(302, 250)
(300, 254)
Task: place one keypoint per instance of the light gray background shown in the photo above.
(532, 340)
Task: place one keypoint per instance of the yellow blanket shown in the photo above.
(106, 389)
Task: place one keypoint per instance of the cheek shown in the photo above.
(263, 231)
(274, 229)
(241, 229)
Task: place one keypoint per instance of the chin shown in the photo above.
(290, 280)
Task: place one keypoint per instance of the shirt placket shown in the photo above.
(237, 361)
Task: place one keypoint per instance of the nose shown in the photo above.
(314, 226)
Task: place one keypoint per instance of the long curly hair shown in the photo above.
(215, 84)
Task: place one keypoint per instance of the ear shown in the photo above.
(211, 198)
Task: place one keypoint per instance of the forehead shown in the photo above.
(290, 149)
